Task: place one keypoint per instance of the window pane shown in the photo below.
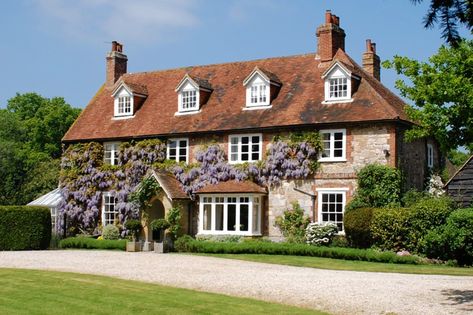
(231, 217)
(256, 223)
(244, 217)
(245, 140)
(219, 217)
(207, 217)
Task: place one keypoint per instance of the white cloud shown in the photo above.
(127, 20)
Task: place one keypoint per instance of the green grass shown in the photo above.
(46, 292)
(340, 264)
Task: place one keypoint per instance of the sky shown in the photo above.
(58, 48)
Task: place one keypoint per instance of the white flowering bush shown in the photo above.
(320, 233)
(435, 186)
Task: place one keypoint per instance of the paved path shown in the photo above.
(337, 292)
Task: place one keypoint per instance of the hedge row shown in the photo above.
(24, 227)
(188, 244)
(92, 243)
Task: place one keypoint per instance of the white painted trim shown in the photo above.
(177, 148)
(332, 189)
(123, 117)
(260, 152)
(342, 158)
(109, 194)
(187, 113)
(337, 101)
(112, 152)
(321, 191)
(257, 107)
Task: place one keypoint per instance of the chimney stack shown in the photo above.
(116, 64)
(330, 37)
(371, 61)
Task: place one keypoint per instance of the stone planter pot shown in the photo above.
(147, 246)
(159, 247)
(133, 246)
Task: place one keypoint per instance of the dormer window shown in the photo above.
(128, 97)
(192, 94)
(261, 86)
(338, 83)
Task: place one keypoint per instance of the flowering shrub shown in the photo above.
(435, 186)
(110, 232)
(293, 224)
(320, 233)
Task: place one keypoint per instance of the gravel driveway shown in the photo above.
(337, 292)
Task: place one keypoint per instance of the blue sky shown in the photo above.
(58, 48)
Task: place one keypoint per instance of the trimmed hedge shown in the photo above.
(187, 244)
(92, 243)
(357, 223)
(24, 227)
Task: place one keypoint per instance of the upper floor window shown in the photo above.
(192, 92)
(430, 156)
(338, 88)
(128, 97)
(333, 144)
(245, 148)
(259, 85)
(189, 100)
(259, 94)
(124, 105)
(338, 83)
(178, 150)
(111, 150)
(109, 211)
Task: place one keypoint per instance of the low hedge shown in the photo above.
(187, 244)
(92, 243)
(24, 227)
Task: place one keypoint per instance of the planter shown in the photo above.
(133, 246)
(159, 247)
(147, 246)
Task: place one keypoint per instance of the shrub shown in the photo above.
(159, 224)
(357, 223)
(182, 244)
(110, 232)
(293, 224)
(270, 248)
(174, 219)
(320, 233)
(220, 238)
(91, 243)
(339, 241)
(390, 228)
(134, 226)
(24, 227)
(454, 240)
(378, 186)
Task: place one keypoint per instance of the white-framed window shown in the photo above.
(337, 85)
(430, 156)
(230, 214)
(257, 92)
(123, 103)
(188, 98)
(109, 211)
(333, 145)
(110, 154)
(245, 148)
(331, 205)
(178, 150)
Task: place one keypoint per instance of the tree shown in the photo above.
(31, 128)
(451, 13)
(442, 92)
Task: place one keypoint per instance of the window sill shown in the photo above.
(332, 160)
(338, 101)
(241, 162)
(123, 117)
(229, 233)
(190, 112)
(256, 107)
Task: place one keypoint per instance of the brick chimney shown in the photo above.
(371, 62)
(330, 37)
(116, 64)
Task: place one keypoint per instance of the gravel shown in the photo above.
(337, 292)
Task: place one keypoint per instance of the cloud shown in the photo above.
(128, 20)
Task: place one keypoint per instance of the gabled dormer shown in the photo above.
(128, 97)
(261, 88)
(192, 93)
(339, 83)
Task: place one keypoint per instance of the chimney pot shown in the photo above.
(330, 37)
(368, 45)
(116, 64)
(371, 61)
(328, 17)
(373, 47)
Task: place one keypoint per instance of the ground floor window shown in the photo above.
(53, 218)
(331, 205)
(109, 211)
(230, 214)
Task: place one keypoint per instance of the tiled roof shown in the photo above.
(134, 87)
(171, 186)
(299, 101)
(233, 186)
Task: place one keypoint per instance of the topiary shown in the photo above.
(110, 232)
(454, 240)
(357, 223)
(134, 226)
(159, 224)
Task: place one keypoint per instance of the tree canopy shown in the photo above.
(31, 128)
(449, 14)
(442, 92)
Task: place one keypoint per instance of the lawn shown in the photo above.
(46, 292)
(340, 264)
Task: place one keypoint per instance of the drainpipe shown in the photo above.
(313, 197)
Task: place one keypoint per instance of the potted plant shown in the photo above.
(134, 226)
(158, 226)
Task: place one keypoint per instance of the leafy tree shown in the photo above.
(442, 91)
(458, 158)
(449, 14)
(31, 128)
